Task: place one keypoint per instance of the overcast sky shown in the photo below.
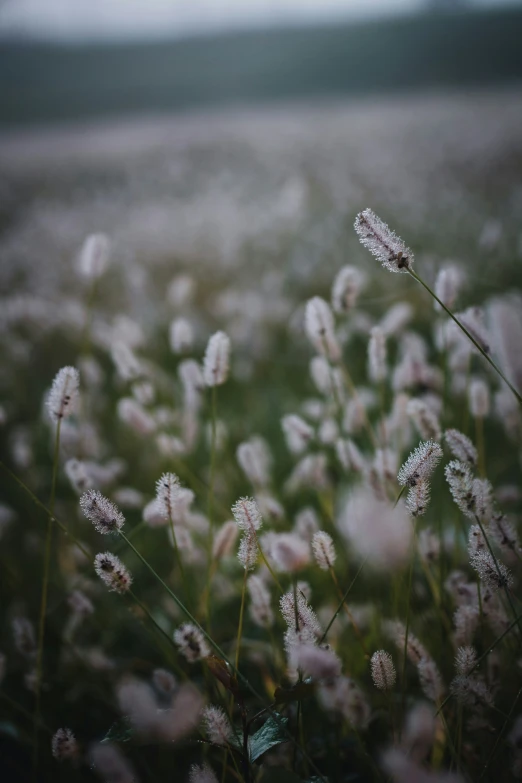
(137, 18)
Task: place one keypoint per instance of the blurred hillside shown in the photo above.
(54, 82)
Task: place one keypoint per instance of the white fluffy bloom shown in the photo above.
(247, 515)
(93, 258)
(447, 285)
(181, 336)
(319, 326)
(382, 242)
(111, 570)
(298, 433)
(254, 459)
(420, 464)
(479, 399)
(346, 288)
(191, 642)
(324, 550)
(217, 360)
(383, 671)
(167, 493)
(377, 369)
(63, 397)
(461, 446)
(376, 529)
(424, 419)
(102, 512)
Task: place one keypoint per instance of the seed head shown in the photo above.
(111, 570)
(319, 327)
(94, 256)
(217, 726)
(383, 671)
(420, 464)
(181, 336)
(247, 552)
(461, 447)
(346, 287)
(167, 493)
(324, 550)
(191, 642)
(247, 514)
(217, 360)
(102, 512)
(63, 397)
(224, 540)
(304, 618)
(382, 242)
(495, 577)
(465, 660)
(377, 369)
(64, 745)
(298, 433)
(260, 609)
(202, 774)
(418, 498)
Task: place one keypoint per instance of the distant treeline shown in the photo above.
(51, 82)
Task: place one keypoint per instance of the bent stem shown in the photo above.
(45, 588)
(467, 333)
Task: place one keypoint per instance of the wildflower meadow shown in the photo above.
(260, 468)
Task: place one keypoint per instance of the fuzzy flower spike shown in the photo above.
(63, 397)
(382, 242)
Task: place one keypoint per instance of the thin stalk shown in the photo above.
(177, 555)
(210, 502)
(500, 735)
(345, 596)
(349, 614)
(45, 589)
(408, 601)
(468, 335)
(479, 430)
(86, 335)
(241, 616)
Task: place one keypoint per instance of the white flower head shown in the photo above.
(382, 242)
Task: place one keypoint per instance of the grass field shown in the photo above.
(234, 222)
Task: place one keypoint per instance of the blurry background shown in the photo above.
(229, 136)
(71, 59)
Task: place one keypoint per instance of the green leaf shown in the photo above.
(121, 731)
(268, 736)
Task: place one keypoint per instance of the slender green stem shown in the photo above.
(86, 336)
(349, 614)
(210, 502)
(341, 603)
(45, 589)
(241, 615)
(406, 632)
(399, 496)
(468, 335)
(177, 555)
(500, 735)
